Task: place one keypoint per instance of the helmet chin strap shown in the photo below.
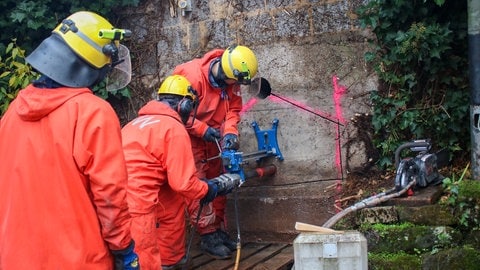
(220, 77)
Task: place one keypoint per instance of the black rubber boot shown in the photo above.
(226, 240)
(211, 245)
(179, 265)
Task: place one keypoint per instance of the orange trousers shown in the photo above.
(160, 235)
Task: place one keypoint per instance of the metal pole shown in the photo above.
(474, 73)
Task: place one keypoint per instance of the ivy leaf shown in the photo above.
(18, 16)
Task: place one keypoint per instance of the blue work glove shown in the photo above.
(211, 134)
(226, 183)
(230, 142)
(211, 194)
(126, 259)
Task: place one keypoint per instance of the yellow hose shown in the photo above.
(237, 260)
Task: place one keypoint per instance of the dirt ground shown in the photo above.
(359, 186)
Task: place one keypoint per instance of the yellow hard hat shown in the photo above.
(76, 55)
(81, 33)
(239, 63)
(177, 85)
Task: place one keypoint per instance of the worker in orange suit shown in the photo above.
(62, 171)
(162, 174)
(217, 77)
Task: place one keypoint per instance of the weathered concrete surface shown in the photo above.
(421, 196)
(382, 214)
(301, 46)
(268, 212)
(428, 215)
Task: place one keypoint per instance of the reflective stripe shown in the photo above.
(89, 41)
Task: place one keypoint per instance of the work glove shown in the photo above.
(211, 134)
(230, 142)
(126, 259)
(225, 183)
(211, 194)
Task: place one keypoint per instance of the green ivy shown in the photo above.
(27, 23)
(101, 91)
(31, 21)
(15, 74)
(420, 56)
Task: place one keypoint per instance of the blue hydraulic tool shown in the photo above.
(233, 160)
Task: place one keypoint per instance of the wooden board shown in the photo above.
(281, 261)
(262, 256)
(252, 256)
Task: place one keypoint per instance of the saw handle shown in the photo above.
(417, 146)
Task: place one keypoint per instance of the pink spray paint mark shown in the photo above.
(338, 92)
(248, 105)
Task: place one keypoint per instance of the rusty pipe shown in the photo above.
(261, 172)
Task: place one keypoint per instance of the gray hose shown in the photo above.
(370, 201)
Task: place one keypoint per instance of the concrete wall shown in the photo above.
(301, 46)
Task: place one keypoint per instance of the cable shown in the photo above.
(237, 223)
(187, 254)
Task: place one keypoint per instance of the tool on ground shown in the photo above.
(417, 172)
(423, 168)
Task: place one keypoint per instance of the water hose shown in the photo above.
(237, 223)
(370, 201)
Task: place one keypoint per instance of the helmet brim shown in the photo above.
(56, 60)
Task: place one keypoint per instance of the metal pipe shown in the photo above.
(258, 155)
(261, 172)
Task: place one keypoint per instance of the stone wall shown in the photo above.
(303, 48)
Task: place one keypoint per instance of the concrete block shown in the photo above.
(344, 251)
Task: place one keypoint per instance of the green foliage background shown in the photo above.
(421, 57)
(25, 24)
(31, 21)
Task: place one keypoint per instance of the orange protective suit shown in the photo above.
(161, 175)
(218, 108)
(62, 179)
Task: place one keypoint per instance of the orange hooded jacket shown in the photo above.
(62, 178)
(162, 174)
(218, 108)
